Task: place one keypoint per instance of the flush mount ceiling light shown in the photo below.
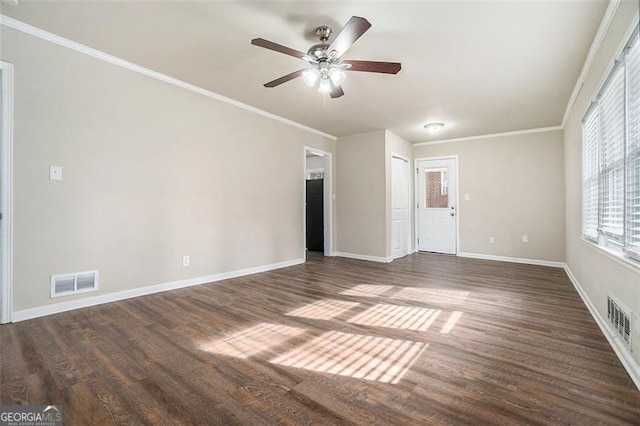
(433, 127)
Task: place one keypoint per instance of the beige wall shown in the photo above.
(597, 273)
(516, 187)
(364, 192)
(361, 196)
(151, 172)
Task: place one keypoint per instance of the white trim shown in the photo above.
(56, 308)
(417, 199)
(327, 200)
(6, 193)
(613, 63)
(537, 262)
(618, 346)
(620, 259)
(593, 50)
(81, 48)
(364, 257)
(492, 135)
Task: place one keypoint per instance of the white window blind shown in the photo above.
(632, 201)
(590, 171)
(612, 155)
(611, 159)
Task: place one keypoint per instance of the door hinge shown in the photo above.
(418, 240)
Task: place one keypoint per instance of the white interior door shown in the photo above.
(437, 210)
(399, 207)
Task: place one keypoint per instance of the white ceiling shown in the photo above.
(480, 67)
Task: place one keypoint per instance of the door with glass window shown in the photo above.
(437, 206)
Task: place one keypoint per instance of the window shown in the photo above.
(611, 159)
(632, 164)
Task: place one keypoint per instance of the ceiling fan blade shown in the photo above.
(282, 49)
(336, 91)
(284, 79)
(348, 35)
(373, 66)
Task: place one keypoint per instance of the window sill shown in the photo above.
(613, 254)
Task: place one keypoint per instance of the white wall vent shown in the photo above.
(78, 282)
(620, 318)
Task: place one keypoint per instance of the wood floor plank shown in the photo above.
(427, 339)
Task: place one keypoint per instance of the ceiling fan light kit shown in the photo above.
(327, 68)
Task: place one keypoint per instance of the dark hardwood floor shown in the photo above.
(427, 339)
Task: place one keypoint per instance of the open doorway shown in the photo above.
(318, 197)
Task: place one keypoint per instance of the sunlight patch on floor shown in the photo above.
(451, 322)
(252, 340)
(431, 295)
(394, 316)
(367, 290)
(323, 309)
(352, 355)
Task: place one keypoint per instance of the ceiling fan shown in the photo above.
(327, 68)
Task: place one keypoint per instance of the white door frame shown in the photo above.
(327, 199)
(410, 210)
(457, 186)
(6, 193)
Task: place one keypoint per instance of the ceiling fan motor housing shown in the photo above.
(319, 51)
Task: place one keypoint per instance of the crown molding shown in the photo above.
(492, 135)
(81, 48)
(593, 50)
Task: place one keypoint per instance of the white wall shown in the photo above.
(315, 162)
(151, 172)
(516, 187)
(596, 272)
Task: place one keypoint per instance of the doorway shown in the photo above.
(400, 184)
(437, 215)
(6, 162)
(318, 197)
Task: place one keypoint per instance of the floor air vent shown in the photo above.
(79, 282)
(620, 319)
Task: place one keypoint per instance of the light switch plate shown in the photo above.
(467, 197)
(55, 173)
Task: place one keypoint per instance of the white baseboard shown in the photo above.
(364, 257)
(629, 364)
(512, 259)
(56, 308)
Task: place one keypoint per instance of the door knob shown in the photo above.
(453, 214)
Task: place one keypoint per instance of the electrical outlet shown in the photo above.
(467, 197)
(492, 240)
(525, 238)
(186, 261)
